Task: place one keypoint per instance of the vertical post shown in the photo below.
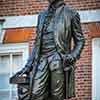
(11, 59)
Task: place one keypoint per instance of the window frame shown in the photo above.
(13, 49)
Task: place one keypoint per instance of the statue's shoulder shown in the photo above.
(69, 10)
(42, 13)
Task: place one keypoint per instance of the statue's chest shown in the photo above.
(48, 25)
(54, 24)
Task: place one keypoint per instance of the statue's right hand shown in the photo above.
(19, 73)
(22, 72)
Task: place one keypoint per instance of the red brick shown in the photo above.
(30, 7)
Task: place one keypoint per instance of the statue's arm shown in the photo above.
(78, 37)
(32, 56)
(28, 65)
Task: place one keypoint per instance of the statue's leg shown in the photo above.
(57, 80)
(40, 89)
(23, 90)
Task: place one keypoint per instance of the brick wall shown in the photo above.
(83, 72)
(29, 7)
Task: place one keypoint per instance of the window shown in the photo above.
(12, 59)
(9, 64)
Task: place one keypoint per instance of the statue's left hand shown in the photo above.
(69, 58)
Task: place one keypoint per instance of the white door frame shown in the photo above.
(95, 69)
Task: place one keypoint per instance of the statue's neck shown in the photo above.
(56, 4)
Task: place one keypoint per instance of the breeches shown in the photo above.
(49, 79)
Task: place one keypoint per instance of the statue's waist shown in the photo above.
(48, 43)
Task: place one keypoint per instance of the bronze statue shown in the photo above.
(52, 61)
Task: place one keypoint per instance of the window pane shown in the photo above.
(4, 82)
(8, 91)
(17, 63)
(16, 66)
(5, 64)
(4, 72)
(4, 95)
(4, 77)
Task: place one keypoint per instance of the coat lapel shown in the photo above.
(42, 19)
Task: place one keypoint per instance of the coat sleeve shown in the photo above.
(77, 34)
(34, 49)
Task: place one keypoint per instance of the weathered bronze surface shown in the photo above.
(51, 65)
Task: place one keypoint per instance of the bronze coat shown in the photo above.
(65, 25)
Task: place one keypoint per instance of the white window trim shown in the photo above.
(14, 48)
(31, 20)
(86, 16)
(95, 75)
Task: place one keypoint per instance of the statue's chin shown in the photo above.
(52, 1)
